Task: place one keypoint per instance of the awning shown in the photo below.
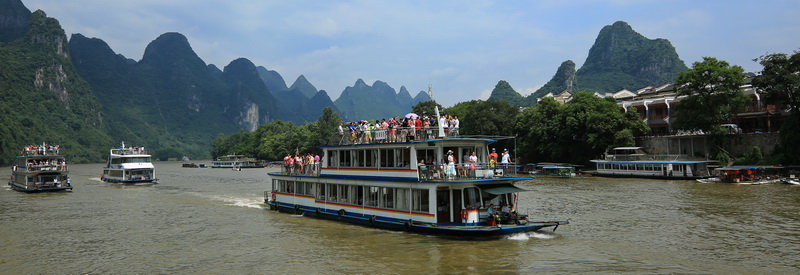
(498, 189)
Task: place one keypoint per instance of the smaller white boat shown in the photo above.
(129, 165)
(790, 181)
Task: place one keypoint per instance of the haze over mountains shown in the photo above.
(82, 94)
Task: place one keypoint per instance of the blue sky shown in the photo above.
(461, 48)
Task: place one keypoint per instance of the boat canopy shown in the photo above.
(499, 189)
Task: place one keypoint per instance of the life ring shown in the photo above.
(464, 214)
(273, 196)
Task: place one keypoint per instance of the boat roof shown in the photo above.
(486, 139)
(627, 148)
(729, 168)
(652, 161)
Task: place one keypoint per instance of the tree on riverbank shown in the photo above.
(780, 79)
(274, 140)
(577, 131)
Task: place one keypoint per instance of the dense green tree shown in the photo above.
(575, 132)
(780, 79)
(712, 90)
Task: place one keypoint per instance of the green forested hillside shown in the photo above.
(42, 98)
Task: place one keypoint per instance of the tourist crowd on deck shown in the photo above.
(40, 150)
(397, 129)
(305, 164)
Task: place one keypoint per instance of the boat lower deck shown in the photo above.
(447, 229)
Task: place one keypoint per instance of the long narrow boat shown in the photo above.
(633, 162)
(129, 165)
(397, 185)
(236, 162)
(40, 169)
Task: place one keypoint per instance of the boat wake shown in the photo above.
(241, 202)
(530, 235)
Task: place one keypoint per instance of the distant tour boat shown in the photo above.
(40, 169)
(404, 186)
(236, 162)
(129, 165)
(633, 162)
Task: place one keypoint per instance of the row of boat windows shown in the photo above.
(386, 158)
(136, 172)
(638, 167)
(130, 160)
(370, 158)
(406, 199)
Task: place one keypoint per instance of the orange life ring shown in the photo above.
(464, 214)
(273, 196)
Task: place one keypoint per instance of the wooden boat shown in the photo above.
(129, 165)
(384, 185)
(634, 162)
(40, 169)
(745, 175)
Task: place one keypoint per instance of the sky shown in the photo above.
(460, 48)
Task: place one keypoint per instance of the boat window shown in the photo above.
(372, 197)
(344, 159)
(360, 196)
(401, 200)
(387, 158)
(404, 159)
(137, 159)
(429, 155)
(420, 200)
(352, 194)
(387, 197)
(116, 161)
(321, 191)
(333, 158)
(333, 192)
(472, 199)
(342, 190)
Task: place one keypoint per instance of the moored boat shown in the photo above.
(745, 175)
(129, 165)
(40, 169)
(399, 186)
(634, 162)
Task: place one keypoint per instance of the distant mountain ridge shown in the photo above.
(620, 58)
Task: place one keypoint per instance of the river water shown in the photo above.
(214, 221)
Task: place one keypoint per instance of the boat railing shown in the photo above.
(130, 151)
(400, 134)
(444, 172)
(46, 167)
(301, 170)
(643, 157)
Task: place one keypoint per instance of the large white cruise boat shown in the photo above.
(129, 165)
(410, 186)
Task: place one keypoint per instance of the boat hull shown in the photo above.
(121, 181)
(26, 189)
(448, 230)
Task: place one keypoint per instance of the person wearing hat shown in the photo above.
(506, 160)
(451, 165)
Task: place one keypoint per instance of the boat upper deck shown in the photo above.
(129, 151)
